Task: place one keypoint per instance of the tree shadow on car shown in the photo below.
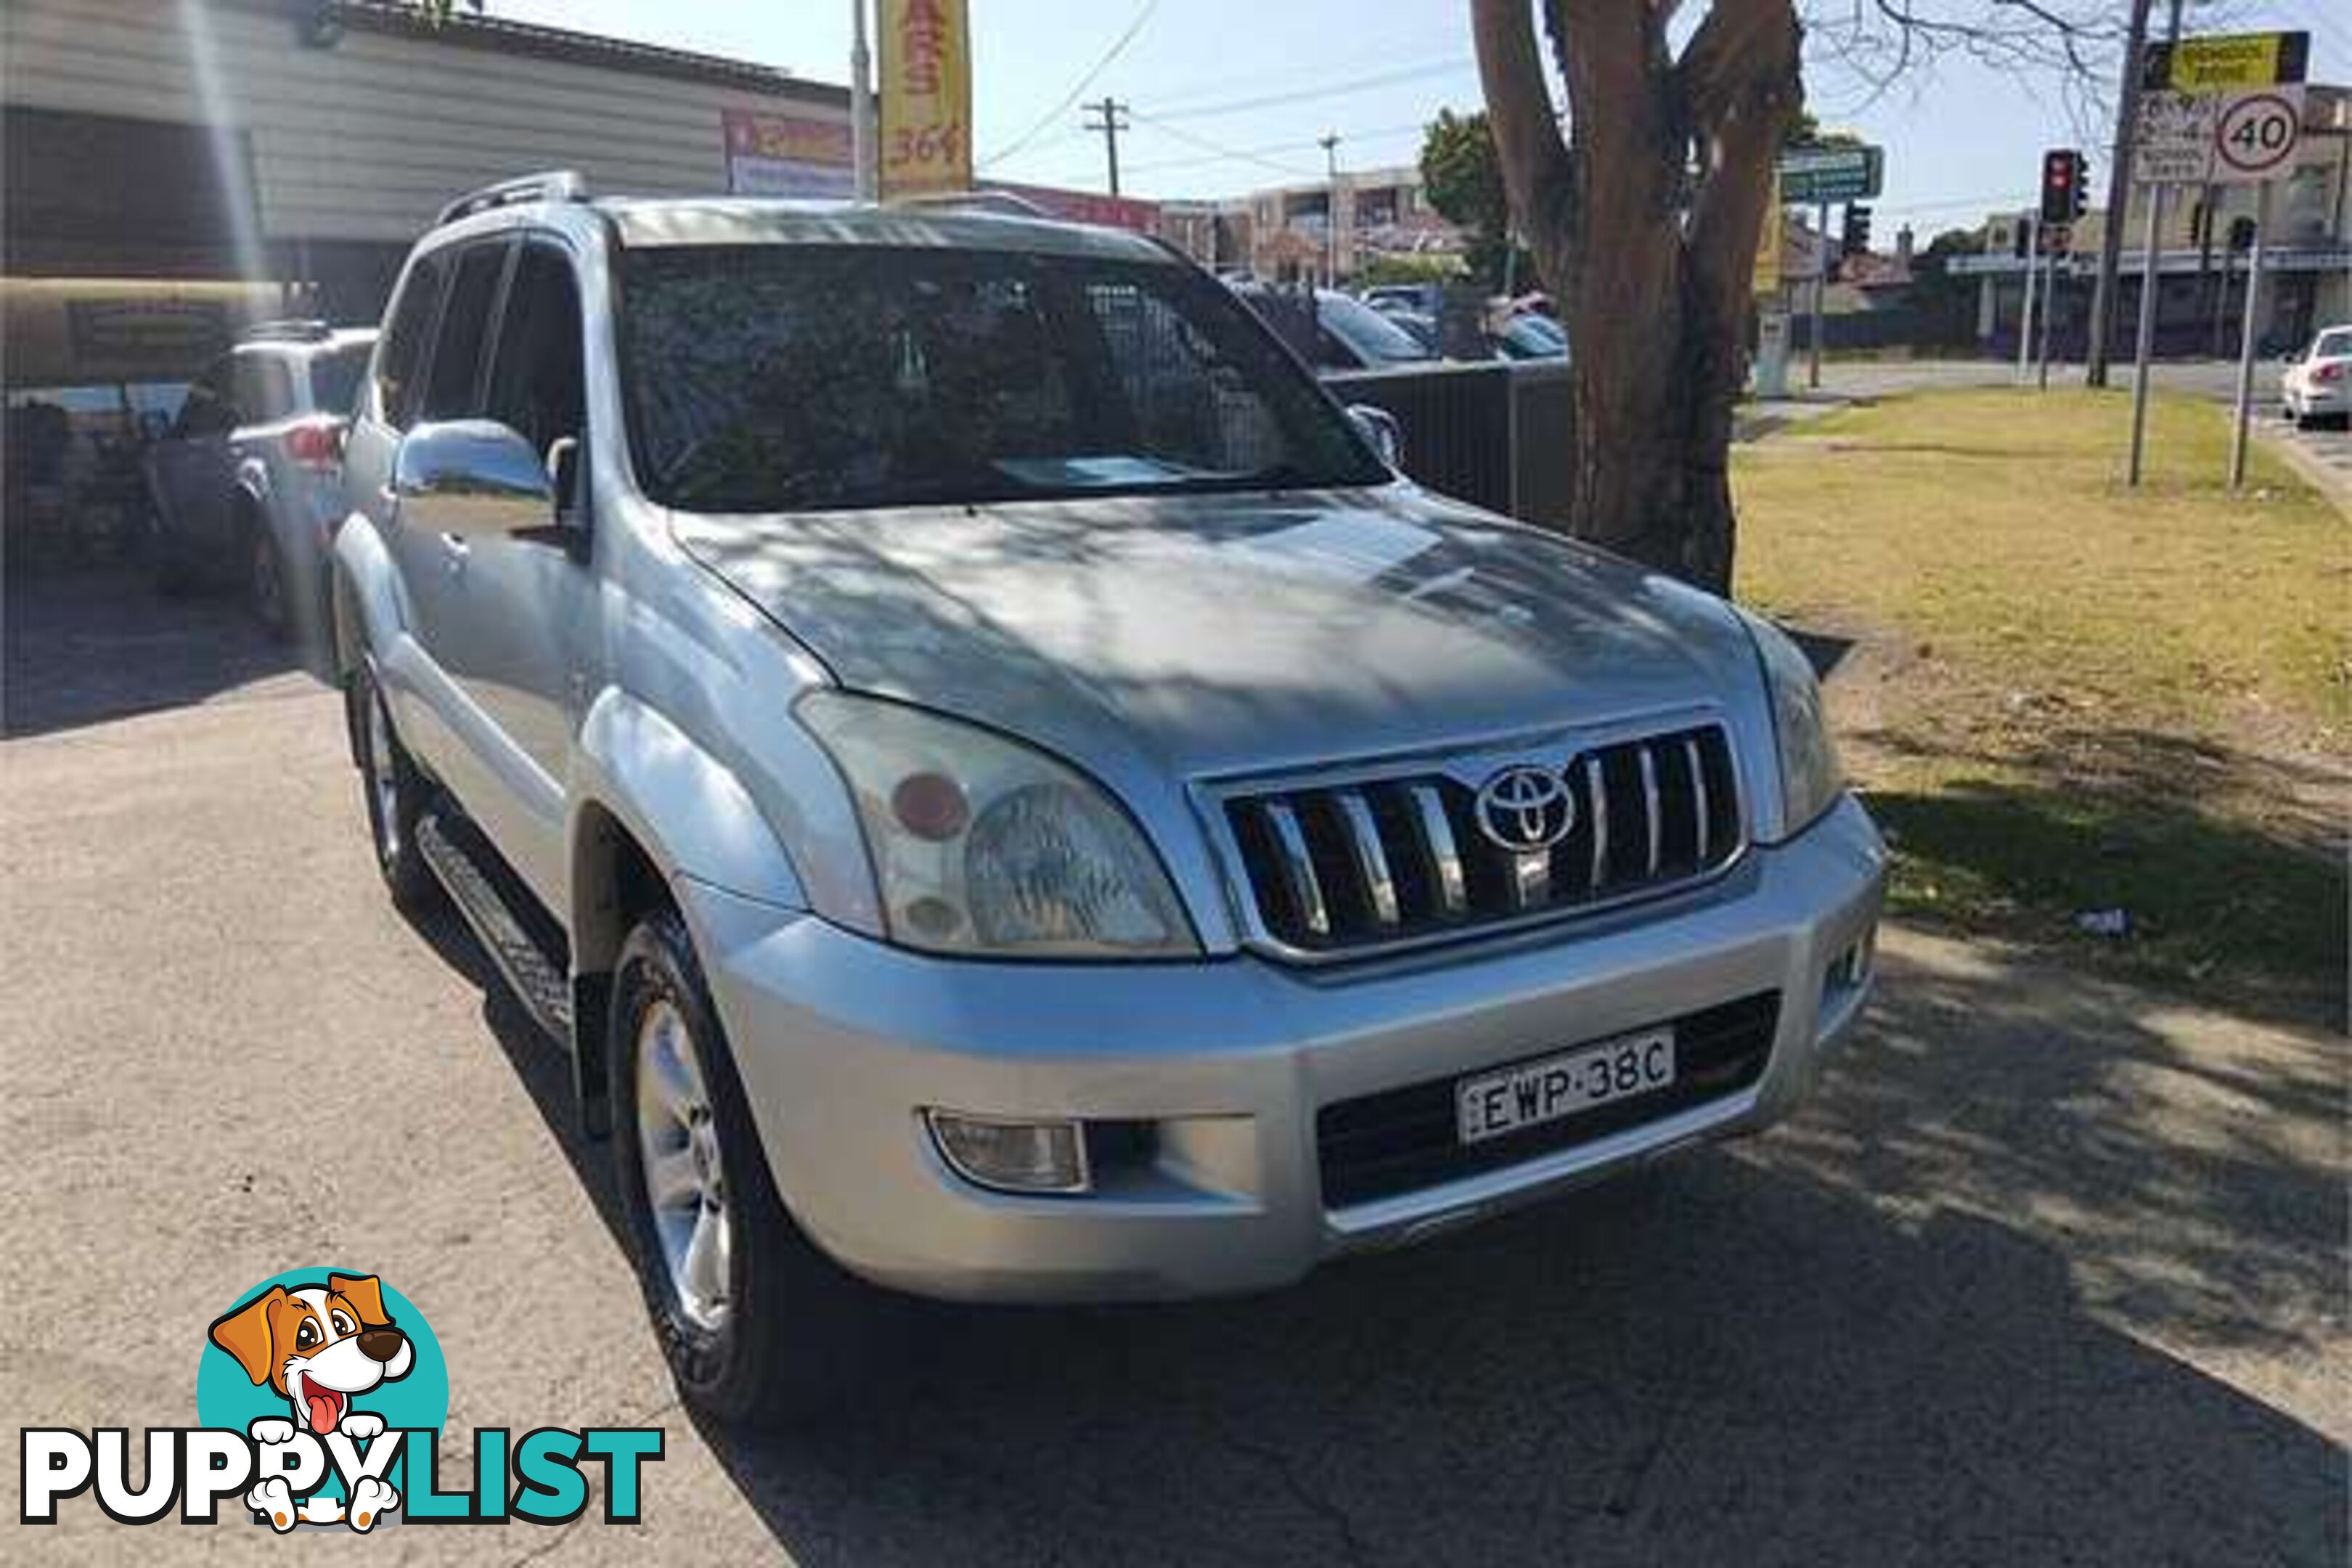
(1861, 1339)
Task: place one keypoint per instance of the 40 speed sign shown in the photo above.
(2255, 136)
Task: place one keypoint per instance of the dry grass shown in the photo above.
(2064, 696)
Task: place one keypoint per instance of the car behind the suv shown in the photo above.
(1005, 795)
(246, 488)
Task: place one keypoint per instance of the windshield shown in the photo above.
(776, 378)
(1375, 338)
(335, 378)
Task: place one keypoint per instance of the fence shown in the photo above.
(1495, 433)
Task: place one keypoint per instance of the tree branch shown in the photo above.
(1536, 172)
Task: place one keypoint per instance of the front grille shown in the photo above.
(1402, 1140)
(1343, 867)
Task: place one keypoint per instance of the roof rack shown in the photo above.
(554, 185)
(290, 330)
(1002, 202)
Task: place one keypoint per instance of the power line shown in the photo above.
(1218, 151)
(1053, 115)
(1332, 89)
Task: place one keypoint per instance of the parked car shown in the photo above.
(2316, 384)
(1005, 795)
(245, 488)
(1527, 335)
(1421, 299)
(1344, 334)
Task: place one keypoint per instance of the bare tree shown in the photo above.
(1645, 212)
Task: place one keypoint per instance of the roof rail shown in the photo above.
(1004, 204)
(553, 185)
(290, 330)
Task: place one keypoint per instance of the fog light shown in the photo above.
(1012, 1156)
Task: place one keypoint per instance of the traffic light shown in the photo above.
(1853, 238)
(2242, 235)
(2063, 198)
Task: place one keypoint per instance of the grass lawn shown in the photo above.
(2062, 696)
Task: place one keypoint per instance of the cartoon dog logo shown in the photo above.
(319, 1346)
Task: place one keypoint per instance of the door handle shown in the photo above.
(453, 552)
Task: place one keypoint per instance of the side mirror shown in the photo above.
(481, 478)
(1380, 427)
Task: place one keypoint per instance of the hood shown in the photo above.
(1206, 635)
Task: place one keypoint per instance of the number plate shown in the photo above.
(1536, 1092)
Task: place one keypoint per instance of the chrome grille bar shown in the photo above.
(1437, 845)
(1699, 802)
(1371, 860)
(1298, 867)
(1596, 796)
(1652, 816)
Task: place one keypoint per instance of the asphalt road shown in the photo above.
(2053, 1272)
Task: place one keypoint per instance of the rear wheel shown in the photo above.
(265, 593)
(396, 792)
(757, 1323)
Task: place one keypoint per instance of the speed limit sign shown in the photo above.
(2255, 133)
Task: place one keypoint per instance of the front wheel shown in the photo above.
(396, 792)
(757, 1324)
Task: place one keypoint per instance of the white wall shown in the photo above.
(367, 140)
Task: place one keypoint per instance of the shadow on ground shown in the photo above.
(1925, 1323)
(82, 647)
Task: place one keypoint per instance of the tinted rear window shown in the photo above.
(335, 378)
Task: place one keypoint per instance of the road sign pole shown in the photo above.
(2246, 337)
(1820, 288)
(2025, 312)
(2144, 347)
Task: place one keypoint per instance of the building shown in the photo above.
(2201, 259)
(1315, 231)
(176, 166)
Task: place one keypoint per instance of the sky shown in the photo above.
(1228, 96)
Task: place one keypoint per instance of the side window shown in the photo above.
(207, 409)
(535, 377)
(403, 355)
(263, 391)
(455, 375)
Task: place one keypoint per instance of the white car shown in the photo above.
(2318, 383)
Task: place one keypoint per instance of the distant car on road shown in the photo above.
(1347, 333)
(2318, 383)
(245, 487)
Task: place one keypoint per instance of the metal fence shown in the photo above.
(1495, 433)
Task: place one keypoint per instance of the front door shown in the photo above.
(192, 469)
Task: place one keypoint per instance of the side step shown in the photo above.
(537, 980)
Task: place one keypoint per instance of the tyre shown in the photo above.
(266, 588)
(758, 1324)
(395, 793)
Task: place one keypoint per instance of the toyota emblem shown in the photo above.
(1526, 810)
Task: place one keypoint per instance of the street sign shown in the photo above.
(1810, 176)
(2228, 62)
(2217, 138)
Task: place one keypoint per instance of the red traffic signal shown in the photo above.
(2063, 198)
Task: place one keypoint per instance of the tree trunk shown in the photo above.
(1649, 262)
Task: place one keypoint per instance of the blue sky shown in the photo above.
(1229, 95)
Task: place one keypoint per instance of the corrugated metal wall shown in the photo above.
(366, 140)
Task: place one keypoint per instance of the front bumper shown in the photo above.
(841, 1042)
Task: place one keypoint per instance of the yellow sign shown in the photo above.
(2228, 62)
(925, 97)
(1767, 279)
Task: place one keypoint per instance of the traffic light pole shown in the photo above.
(2048, 309)
(2025, 319)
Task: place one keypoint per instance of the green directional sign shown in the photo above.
(1813, 175)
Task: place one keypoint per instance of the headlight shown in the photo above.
(985, 847)
(1811, 777)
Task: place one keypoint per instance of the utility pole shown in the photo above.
(2151, 271)
(1821, 294)
(1329, 142)
(2119, 179)
(861, 105)
(1110, 119)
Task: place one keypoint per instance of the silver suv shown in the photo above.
(1003, 791)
